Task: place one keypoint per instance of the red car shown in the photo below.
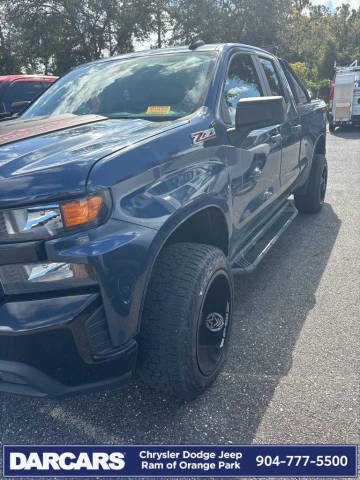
(18, 91)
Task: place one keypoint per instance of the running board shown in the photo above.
(259, 245)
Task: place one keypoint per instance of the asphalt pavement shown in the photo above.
(292, 374)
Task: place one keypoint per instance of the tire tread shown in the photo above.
(167, 320)
(310, 201)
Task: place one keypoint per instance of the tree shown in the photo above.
(326, 65)
(9, 41)
(52, 36)
(311, 80)
(59, 34)
(188, 20)
(345, 25)
(160, 15)
(300, 5)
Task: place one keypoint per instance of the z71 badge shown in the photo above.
(203, 136)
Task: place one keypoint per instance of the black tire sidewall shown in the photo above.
(168, 353)
(315, 185)
(311, 202)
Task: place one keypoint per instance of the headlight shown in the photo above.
(46, 221)
(40, 277)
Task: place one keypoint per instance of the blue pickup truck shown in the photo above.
(131, 192)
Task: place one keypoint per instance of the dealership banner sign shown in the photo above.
(180, 461)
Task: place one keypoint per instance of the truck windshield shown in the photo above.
(160, 87)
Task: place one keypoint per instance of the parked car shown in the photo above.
(344, 102)
(18, 91)
(130, 193)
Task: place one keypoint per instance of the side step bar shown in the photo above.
(259, 245)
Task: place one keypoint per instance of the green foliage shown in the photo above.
(328, 59)
(55, 35)
(310, 78)
(52, 36)
(302, 71)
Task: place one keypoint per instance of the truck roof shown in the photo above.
(28, 78)
(184, 48)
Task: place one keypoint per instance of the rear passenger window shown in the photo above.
(297, 89)
(241, 81)
(272, 77)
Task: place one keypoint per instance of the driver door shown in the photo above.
(254, 160)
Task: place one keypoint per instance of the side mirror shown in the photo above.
(18, 107)
(259, 112)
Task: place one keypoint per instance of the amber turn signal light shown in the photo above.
(82, 211)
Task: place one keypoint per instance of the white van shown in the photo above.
(344, 101)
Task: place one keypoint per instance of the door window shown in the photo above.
(241, 81)
(272, 77)
(21, 91)
(297, 89)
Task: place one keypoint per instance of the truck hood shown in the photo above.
(42, 165)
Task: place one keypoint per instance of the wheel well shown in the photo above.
(207, 226)
(321, 145)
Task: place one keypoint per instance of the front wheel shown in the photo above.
(315, 189)
(186, 320)
(331, 127)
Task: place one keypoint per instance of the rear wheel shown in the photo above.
(331, 127)
(186, 321)
(315, 190)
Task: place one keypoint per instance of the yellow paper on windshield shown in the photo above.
(157, 110)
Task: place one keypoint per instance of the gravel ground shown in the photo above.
(293, 370)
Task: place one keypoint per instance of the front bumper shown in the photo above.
(58, 343)
(59, 346)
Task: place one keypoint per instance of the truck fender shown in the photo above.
(170, 227)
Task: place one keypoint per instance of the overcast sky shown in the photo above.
(336, 3)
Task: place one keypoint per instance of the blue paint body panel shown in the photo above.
(158, 178)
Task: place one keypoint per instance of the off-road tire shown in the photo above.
(169, 358)
(315, 189)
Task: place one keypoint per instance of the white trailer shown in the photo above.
(344, 102)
